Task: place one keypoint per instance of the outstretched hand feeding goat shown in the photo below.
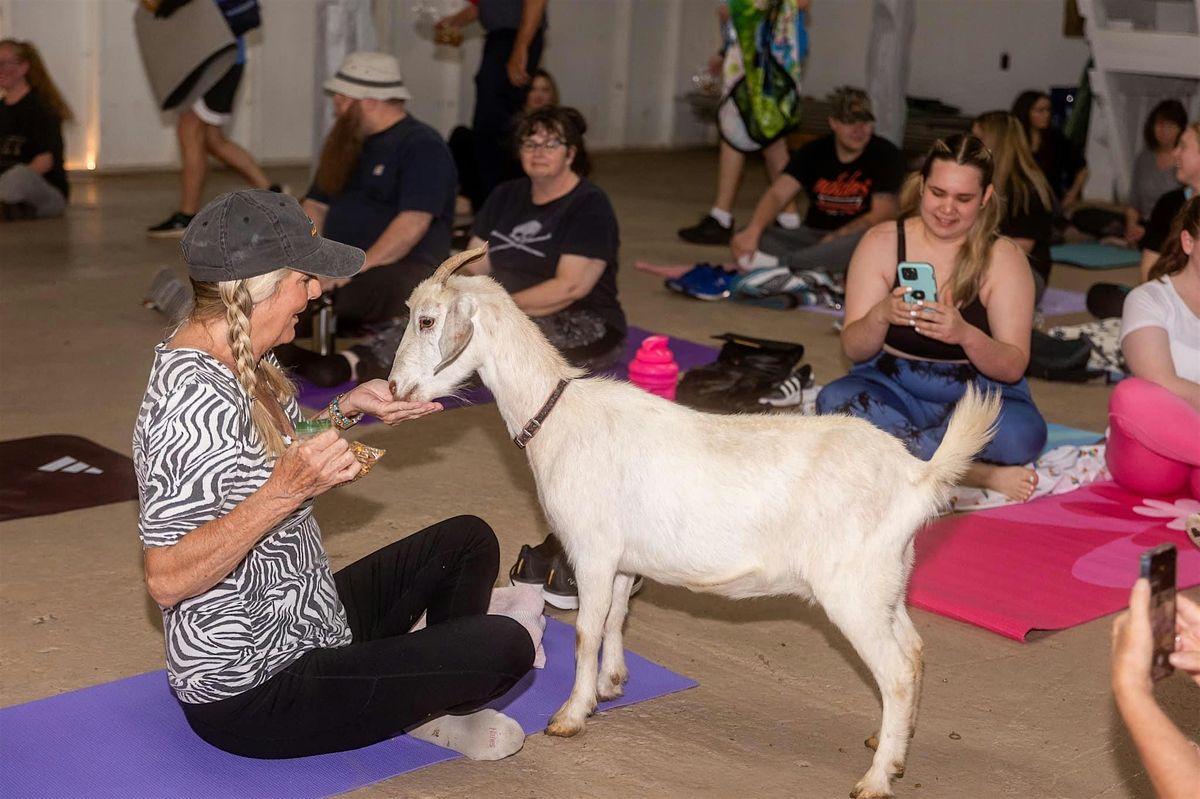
(823, 508)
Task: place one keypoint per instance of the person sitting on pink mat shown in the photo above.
(1154, 416)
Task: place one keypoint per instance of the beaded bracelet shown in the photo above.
(340, 419)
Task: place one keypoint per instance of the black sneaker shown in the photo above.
(560, 589)
(534, 564)
(17, 212)
(172, 228)
(708, 231)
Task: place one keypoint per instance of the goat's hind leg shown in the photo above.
(595, 582)
(895, 667)
(613, 673)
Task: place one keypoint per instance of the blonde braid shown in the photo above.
(238, 305)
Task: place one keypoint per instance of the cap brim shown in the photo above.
(331, 259)
(359, 92)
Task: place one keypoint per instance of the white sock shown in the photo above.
(724, 217)
(483, 735)
(352, 357)
(759, 260)
(789, 221)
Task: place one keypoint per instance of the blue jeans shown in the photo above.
(913, 401)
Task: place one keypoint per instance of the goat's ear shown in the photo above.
(457, 330)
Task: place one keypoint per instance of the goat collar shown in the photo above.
(531, 428)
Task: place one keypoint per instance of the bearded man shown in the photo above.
(385, 184)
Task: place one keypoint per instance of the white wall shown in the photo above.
(624, 63)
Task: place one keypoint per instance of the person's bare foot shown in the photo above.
(1015, 482)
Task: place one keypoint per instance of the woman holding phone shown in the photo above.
(913, 358)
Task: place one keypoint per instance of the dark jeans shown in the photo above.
(497, 104)
(388, 679)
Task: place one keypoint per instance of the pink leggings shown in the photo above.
(1153, 440)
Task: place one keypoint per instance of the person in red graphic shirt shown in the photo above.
(851, 177)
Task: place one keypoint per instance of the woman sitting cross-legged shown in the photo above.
(1154, 416)
(912, 362)
(269, 652)
(552, 243)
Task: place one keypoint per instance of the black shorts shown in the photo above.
(216, 106)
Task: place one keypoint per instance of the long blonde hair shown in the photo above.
(1015, 174)
(975, 256)
(39, 78)
(235, 300)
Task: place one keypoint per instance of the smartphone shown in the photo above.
(919, 276)
(1158, 566)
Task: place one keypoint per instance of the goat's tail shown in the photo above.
(971, 428)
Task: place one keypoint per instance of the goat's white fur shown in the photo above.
(824, 508)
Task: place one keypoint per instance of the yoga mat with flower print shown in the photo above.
(1050, 563)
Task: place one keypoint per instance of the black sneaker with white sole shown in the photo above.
(173, 227)
(789, 393)
(707, 231)
(561, 591)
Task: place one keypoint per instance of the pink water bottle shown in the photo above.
(654, 368)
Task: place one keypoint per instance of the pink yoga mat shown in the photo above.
(1048, 564)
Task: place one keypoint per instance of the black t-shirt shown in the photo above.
(1059, 159)
(406, 167)
(1159, 226)
(1036, 223)
(28, 128)
(525, 241)
(837, 192)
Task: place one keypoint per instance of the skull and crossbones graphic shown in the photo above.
(521, 237)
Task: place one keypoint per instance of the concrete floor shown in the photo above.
(783, 704)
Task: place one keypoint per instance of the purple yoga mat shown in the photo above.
(129, 739)
(687, 354)
(1059, 302)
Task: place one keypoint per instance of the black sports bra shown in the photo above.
(908, 341)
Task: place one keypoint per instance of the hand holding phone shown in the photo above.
(920, 278)
(1158, 568)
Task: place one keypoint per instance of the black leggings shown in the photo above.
(388, 679)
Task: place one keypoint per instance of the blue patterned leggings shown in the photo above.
(913, 401)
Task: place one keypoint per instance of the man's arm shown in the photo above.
(884, 208)
(532, 12)
(398, 238)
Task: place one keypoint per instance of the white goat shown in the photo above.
(823, 508)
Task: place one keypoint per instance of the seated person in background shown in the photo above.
(1154, 168)
(385, 184)
(912, 362)
(1167, 207)
(543, 91)
(1172, 761)
(1028, 219)
(851, 178)
(33, 180)
(1105, 300)
(1059, 159)
(552, 243)
(1154, 416)
(270, 653)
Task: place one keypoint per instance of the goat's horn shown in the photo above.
(456, 262)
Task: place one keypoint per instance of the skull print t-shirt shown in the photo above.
(526, 240)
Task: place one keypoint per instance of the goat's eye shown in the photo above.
(425, 322)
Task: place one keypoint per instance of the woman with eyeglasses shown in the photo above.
(915, 356)
(552, 243)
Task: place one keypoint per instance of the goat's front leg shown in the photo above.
(595, 582)
(613, 673)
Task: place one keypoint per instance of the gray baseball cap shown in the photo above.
(248, 233)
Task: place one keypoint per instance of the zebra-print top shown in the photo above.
(197, 455)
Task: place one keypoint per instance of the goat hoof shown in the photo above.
(897, 771)
(872, 743)
(866, 789)
(608, 692)
(561, 728)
